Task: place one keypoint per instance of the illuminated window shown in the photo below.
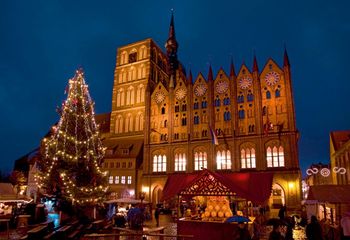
(275, 156)
(110, 180)
(200, 160)
(130, 96)
(123, 180)
(248, 159)
(129, 179)
(159, 163)
(223, 160)
(140, 94)
(116, 179)
(180, 162)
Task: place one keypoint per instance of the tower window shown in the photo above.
(217, 102)
(132, 57)
(277, 93)
(250, 97)
(195, 105)
(240, 99)
(204, 104)
(268, 95)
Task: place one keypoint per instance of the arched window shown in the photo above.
(227, 101)
(277, 93)
(204, 104)
(241, 114)
(120, 97)
(163, 110)
(119, 124)
(217, 102)
(240, 99)
(250, 97)
(227, 116)
(195, 105)
(124, 57)
(140, 95)
(159, 163)
(248, 159)
(130, 96)
(165, 123)
(200, 160)
(264, 111)
(143, 52)
(268, 95)
(196, 120)
(183, 107)
(184, 121)
(129, 123)
(180, 162)
(223, 160)
(275, 156)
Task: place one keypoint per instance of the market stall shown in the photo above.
(212, 196)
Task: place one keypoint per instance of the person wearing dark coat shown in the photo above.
(242, 232)
(276, 233)
(314, 230)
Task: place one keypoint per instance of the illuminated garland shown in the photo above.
(75, 140)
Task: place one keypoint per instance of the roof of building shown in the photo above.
(339, 138)
(126, 148)
(330, 193)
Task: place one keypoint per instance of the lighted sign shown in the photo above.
(325, 172)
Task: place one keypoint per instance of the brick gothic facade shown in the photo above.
(156, 103)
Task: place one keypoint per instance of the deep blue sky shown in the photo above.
(43, 42)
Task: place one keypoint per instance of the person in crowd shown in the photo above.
(276, 233)
(242, 232)
(258, 224)
(345, 226)
(282, 212)
(313, 229)
(156, 215)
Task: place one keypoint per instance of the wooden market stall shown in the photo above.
(217, 188)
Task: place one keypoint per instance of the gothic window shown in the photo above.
(251, 128)
(183, 107)
(241, 114)
(217, 116)
(176, 136)
(143, 52)
(120, 77)
(132, 57)
(140, 94)
(163, 110)
(123, 58)
(180, 162)
(227, 101)
(184, 121)
(119, 124)
(227, 116)
(204, 118)
(123, 75)
(275, 156)
(110, 180)
(277, 93)
(223, 160)
(196, 119)
(137, 122)
(159, 163)
(217, 102)
(177, 108)
(129, 180)
(120, 97)
(123, 180)
(200, 160)
(195, 105)
(204, 104)
(218, 132)
(133, 73)
(204, 133)
(116, 180)
(268, 95)
(240, 99)
(250, 97)
(165, 123)
(130, 95)
(248, 159)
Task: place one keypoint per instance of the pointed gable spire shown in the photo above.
(189, 79)
(285, 58)
(171, 46)
(255, 64)
(210, 74)
(172, 26)
(232, 69)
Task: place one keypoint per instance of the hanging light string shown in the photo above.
(59, 145)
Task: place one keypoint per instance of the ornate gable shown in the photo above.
(207, 185)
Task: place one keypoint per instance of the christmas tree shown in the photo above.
(70, 167)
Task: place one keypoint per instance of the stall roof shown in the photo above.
(255, 187)
(330, 193)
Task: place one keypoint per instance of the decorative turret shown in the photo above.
(285, 59)
(255, 65)
(232, 70)
(171, 46)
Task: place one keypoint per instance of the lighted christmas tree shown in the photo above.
(70, 168)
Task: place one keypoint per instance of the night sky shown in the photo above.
(43, 42)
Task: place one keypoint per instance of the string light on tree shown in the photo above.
(73, 152)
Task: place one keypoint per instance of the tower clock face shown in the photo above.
(245, 82)
(200, 90)
(159, 97)
(221, 86)
(272, 78)
(180, 93)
